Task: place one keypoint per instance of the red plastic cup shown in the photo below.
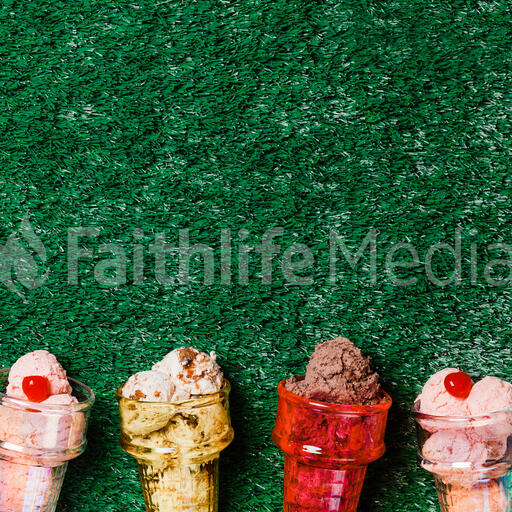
(327, 448)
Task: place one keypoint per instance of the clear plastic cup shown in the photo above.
(177, 447)
(36, 443)
(470, 458)
(327, 448)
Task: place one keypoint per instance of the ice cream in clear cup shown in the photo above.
(329, 441)
(468, 450)
(37, 439)
(175, 432)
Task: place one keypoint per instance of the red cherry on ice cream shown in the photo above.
(458, 384)
(36, 388)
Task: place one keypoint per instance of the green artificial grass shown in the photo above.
(208, 115)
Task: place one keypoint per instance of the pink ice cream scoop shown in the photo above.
(489, 395)
(492, 395)
(454, 446)
(38, 363)
(49, 431)
(440, 400)
(435, 399)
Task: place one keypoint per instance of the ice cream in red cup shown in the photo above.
(330, 425)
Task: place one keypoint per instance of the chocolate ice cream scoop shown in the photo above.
(338, 373)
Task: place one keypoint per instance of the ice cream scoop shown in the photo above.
(489, 395)
(192, 371)
(183, 373)
(449, 446)
(61, 399)
(38, 363)
(436, 399)
(338, 372)
(152, 386)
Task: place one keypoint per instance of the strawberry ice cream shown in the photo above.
(436, 400)
(61, 399)
(43, 418)
(454, 446)
(489, 395)
(40, 363)
(464, 434)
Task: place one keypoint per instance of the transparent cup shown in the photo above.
(177, 447)
(327, 449)
(470, 458)
(36, 443)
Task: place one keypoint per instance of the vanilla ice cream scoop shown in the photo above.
(38, 363)
(152, 386)
(192, 371)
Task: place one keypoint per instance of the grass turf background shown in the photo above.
(211, 115)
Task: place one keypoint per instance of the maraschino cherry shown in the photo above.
(458, 384)
(36, 388)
